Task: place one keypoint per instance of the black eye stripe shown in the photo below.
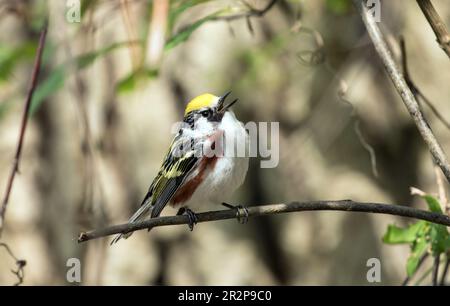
(206, 113)
(189, 119)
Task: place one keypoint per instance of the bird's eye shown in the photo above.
(205, 113)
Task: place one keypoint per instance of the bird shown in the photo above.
(200, 170)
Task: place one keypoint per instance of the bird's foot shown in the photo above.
(241, 212)
(193, 219)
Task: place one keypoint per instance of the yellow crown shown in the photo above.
(199, 102)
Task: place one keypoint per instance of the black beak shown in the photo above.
(222, 108)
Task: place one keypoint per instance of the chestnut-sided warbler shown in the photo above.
(201, 168)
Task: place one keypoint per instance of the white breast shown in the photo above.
(229, 171)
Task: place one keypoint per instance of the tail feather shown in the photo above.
(118, 237)
(143, 212)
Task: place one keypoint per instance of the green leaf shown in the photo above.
(49, 86)
(439, 236)
(87, 4)
(11, 57)
(339, 6)
(422, 236)
(418, 250)
(179, 7)
(440, 239)
(184, 34)
(127, 84)
(395, 234)
(130, 82)
(433, 204)
(416, 236)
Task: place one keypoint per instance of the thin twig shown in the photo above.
(342, 93)
(264, 210)
(401, 86)
(25, 115)
(446, 269)
(434, 275)
(318, 56)
(415, 90)
(20, 263)
(424, 276)
(421, 261)
(418, 94)
(437, 24)
(441, 189)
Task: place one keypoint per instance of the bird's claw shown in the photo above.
(193, 219)
(241, 212)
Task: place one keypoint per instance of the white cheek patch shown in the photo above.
(203, 126)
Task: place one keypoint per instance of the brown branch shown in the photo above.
(437, 24)
(402, 87)
(20, 263)
(25, 115)
(434, 275)
(272, 209)
(446, 269)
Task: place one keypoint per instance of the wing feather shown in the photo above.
(175, 169)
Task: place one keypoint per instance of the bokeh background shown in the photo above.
(112, 85)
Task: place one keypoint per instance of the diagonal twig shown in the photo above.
(318, 56)
(415, 90)
(342, 93)
(25, 115)
(437, 24)
(421, 261)
(402, 87)
(434, 275)
(446, 269)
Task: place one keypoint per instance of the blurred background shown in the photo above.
(112, 85)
